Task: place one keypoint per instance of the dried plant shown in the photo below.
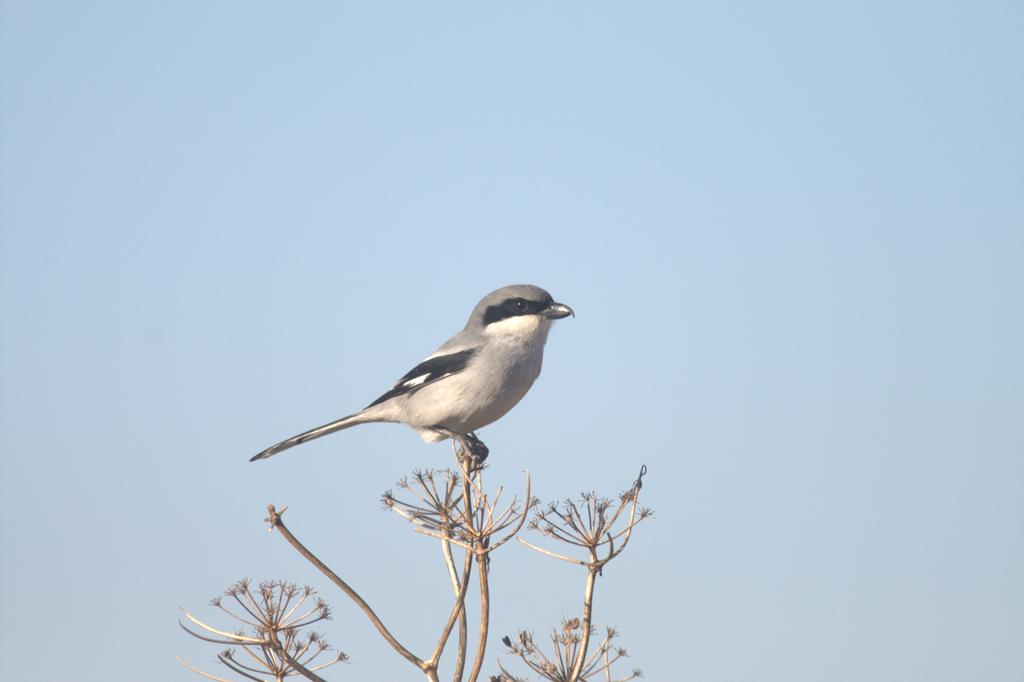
(440, 513)
(565, 647)
(453, 508)
(272, 616)
(590, 523)
(600, 528)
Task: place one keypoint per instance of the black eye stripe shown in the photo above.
(513, 307)
(519, 306)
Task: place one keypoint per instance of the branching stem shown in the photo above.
(275, 521)
(588, 606)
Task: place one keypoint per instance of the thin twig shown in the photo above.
(231, 665)
(482, 575)
(460, 657)
(200, 672)
(231, 636)
(552, 554)
(460, 600)
(522, 517)
(308, 674)
(275, 521)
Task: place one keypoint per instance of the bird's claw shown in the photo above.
(477, 449)
(474, 451)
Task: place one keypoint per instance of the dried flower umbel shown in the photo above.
(565, 649)
(439, 510)
(591, 523)
(454, 508)
(600, 528)
(270, 641)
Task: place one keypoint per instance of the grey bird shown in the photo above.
(471, 380)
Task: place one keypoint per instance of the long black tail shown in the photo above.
(338, 425)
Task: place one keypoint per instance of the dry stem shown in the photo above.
(590, 524)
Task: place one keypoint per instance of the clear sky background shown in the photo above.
(793, 234)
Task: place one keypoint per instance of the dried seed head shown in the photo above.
(272, 599)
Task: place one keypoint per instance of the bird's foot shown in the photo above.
(472, 453)
(476, 447)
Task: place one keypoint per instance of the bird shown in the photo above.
(471, 380)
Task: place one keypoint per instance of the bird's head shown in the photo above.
(519, 310)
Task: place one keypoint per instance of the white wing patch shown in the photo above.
(434, 368)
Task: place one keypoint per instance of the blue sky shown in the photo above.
(792, 234)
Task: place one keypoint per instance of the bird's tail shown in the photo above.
(337, 425)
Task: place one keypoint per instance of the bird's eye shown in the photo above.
(518, 306)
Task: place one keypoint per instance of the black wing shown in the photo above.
(427, 372)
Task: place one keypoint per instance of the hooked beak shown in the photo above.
(557, 311)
